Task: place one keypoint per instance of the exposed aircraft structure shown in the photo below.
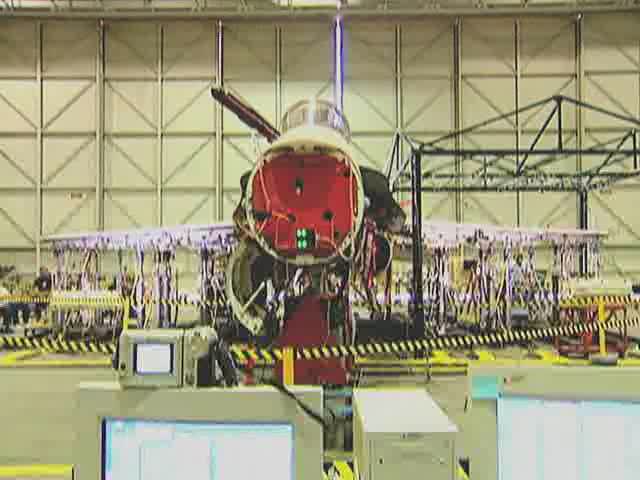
(310, 251)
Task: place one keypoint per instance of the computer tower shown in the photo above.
(402, 434)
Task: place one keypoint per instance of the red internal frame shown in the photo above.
(295, 191)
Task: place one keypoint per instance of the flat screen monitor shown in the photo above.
(153, 358)
(238, 433)
(166, 450)
(567, 439)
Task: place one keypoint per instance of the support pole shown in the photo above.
(288, 376)
(635, 149)
(457, 113)
(517, 116)
(416, 230)
(219, 160)
(583, 203)
(39, 145)
(159, 127)
(100, 99)
(601, 330)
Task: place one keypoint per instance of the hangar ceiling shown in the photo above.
(109, 124)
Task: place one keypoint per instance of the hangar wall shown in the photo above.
(110, 125)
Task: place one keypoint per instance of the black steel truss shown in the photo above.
(503, 169)
(520, 168)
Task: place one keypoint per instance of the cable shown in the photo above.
(308, 410)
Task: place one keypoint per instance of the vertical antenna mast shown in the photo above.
(338, 65)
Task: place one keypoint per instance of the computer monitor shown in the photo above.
(150, 358)
(532, 422)
(211, 433)
(154, 450)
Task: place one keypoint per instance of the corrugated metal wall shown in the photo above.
(112, 126)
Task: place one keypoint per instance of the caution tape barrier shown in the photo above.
(502, 338)
(243, 354)
(54, 345)
(78, 299)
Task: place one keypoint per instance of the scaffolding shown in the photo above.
(435, 167)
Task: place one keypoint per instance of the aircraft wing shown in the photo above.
(213, 236)
(437, 233)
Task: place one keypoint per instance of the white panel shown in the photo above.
(307, 52)
(188, 208)
(130, 162)
(370, 105)
(19, 105)
(486, 98)
(491, 208)
(427, 48)
(535, 89)
(369, 50)
(369, 96)
(132, 49)
(547, 45)
(611, 41)
(488, 46)
(70, 48)
(548, 209)
(437, 206)
(188, 107)
(616, 93)
(427, 105)
(18, 47)
(189, 162)
(307, 63)
(69, 162)
(250, 70)
(249, 51)
(66, 212)
(18, 208)
(189, 49)
(231, 199)
(238, 159)
(372, 151)
(22, 152)
(131, 106)
(615, 213)
(129, 210)
(69, 106)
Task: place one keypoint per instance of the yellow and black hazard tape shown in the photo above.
(78, 299)
(54, 345)
(245, 355)
(608, 300)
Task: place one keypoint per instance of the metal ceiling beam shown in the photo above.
(237, 14)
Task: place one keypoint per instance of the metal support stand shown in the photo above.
(139, 289)
(416, 230)
(583, 198)
(205, 276)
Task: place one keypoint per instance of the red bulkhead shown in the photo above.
(304, 203)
